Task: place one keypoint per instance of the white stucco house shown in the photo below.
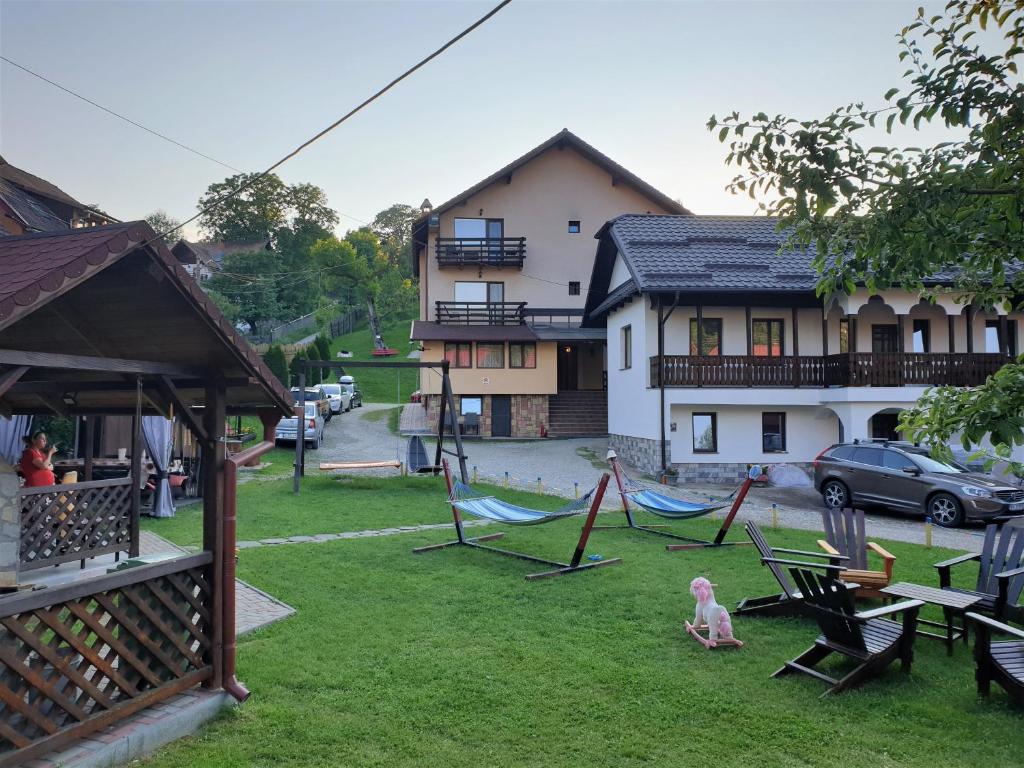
(720, 353)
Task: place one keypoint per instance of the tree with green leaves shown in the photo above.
(246, 282)
(315, 374)
(276, 361)
(294, 366)
(323, 345)
(343, 272)
(254, 214)
(162, 222)
(888, 216)
(393, 227)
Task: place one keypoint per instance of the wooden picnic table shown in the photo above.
(953, 604)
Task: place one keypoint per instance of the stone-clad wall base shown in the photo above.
(529, 413)
(640, 452)
(724, 472)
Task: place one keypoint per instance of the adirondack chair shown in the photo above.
(845, 535)
(867, 638)
(1002, 661)
(789, 602)
(1000, 570)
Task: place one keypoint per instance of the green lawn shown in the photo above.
(379, 385)
(452, 659)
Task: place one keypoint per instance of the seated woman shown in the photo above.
(37, 461)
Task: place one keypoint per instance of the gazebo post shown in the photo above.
(136, 475)
(214, 415)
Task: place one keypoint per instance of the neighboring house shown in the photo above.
(30, 204)
(751, 366)
(503, 271)
(202, 260)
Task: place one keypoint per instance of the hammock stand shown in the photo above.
(490, 508)
(674, 509)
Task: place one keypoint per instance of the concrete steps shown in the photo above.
(580, 413)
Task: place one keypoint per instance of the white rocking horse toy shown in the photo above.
(710, 616)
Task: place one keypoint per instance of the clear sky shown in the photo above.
(247, 81)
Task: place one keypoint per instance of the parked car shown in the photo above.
(339, 397)
(313, 427)
(318, 396)
(350, 386)
(904, 477)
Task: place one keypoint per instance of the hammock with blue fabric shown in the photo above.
(666, 506)
(466, 499)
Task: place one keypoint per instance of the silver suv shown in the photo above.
(904, 477)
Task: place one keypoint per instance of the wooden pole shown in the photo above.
(796, 346)
(456, 430)
(90, 448)
(970, 328)
(136, 475)
(824, 330)
(952, 334)
(214, 415)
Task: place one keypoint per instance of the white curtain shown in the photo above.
(159, 435)
(12, 432)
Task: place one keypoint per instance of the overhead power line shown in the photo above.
(119, 116)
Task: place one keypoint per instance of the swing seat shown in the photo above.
(669, 508)
(333, 465)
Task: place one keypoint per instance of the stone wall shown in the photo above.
(640, 452)
(724, 472)
(529, 415)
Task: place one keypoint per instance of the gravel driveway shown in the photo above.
(357, 436)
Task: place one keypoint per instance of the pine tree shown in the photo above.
(300, 355)
(277, 362)
(315, 374)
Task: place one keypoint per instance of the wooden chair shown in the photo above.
(1000, 570)
(845, 535)
(789, 602)
(1002, 661)
(866, 638)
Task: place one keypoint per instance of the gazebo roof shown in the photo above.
(87, 311)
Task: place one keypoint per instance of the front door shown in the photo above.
(501, 416)
(568, 367)
(884, 339)
(884, 426)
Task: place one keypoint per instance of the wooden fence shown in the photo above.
(61, 523)
(79, 657)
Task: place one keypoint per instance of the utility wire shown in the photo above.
(119, 116)
(358, 108)
(128, 120)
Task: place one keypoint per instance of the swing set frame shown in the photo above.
(447, 402)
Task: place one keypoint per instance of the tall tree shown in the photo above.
(393, 227)
(162, 222)
(254, 214)
(277, 363)
(247, 281)
(308, 204)
(895, 216)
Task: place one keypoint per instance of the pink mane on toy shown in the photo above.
(700, 588)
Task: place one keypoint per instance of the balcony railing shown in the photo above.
(480, 312)
(477, 252)
(862, 369)
(560, 316)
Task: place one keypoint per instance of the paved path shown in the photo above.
(561, 463)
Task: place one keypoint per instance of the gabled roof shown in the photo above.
(32, 183)
(564, 138)
(34, 216)
(37, 270)
(212, 254)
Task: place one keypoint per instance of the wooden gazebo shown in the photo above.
(105, 321)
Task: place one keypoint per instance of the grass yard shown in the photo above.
(452, 659)
(379, 385)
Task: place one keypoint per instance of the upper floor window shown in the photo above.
(574, 288)
(994, 336)
(574, 227)
(711, 341)
(522, 354)
(922, 336)
(479, 292)
(480, 229)
(766, 338)
(626, 344)
(459, 354)
(490, 355)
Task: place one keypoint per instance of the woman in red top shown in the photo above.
(37, 461)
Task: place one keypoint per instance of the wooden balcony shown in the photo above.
(480, 312)
(476, 252)
(844, 370)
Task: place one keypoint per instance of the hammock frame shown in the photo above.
(691, 543)
(575, 563)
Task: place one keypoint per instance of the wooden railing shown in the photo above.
(61, 523)
(563, 316)
(480, 312)
(83, 656)
(480, 252)
(845, 370)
